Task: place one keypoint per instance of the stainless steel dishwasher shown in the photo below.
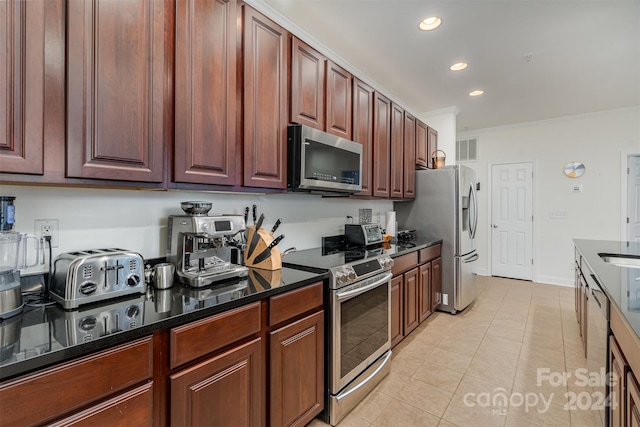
(597, 342)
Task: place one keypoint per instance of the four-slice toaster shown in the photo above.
(87, 276)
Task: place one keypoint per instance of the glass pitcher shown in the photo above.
(14, 251)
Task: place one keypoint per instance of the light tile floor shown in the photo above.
(481, 367)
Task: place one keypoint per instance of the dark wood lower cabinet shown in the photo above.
(224, 390)
(424, 294)
(396, 310)
(617, 396)
(436, 284)
(297, 371)
(411, 305)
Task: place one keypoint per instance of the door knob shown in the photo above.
(494, 225)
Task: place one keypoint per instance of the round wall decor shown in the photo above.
(574, 169)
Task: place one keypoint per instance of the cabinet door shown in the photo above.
(22, 55)
(297, 371)
(397, 152)
(411, 303)
(584, 300)
(339, 105)
(397, 320)
(633, 401)
(266, 50)
(432, 143)
(617, 394)
(224, 390)
(205, 92)
(422, 156)
(425, 291)
(116, 78)
(436, 284)
(307, 85)
(409, 156)
(381, 145)
(363, 98)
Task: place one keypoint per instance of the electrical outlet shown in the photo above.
(47, 227)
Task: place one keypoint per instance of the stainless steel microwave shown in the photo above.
(319, 161)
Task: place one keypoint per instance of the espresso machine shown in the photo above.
(202, 246)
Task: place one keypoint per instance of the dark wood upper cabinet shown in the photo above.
(339, 105)
(307, 85)
(432, 144)
(397, 152)
(381, 145)
(266, 101)
(117, 86)
(22, 71)
(206, 147)
(409, 156)
(363, 97)
(422, 156)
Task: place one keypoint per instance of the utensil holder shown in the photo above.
(274, 262)
(438, 161)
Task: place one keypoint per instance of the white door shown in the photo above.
(633, 198)
(512, 220)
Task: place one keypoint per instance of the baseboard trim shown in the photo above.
(559, 281)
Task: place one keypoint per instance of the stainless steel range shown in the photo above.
(358, 342)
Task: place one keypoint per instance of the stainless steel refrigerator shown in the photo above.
(446, 206)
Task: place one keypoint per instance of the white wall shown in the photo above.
(600, 141)
(137, 219)
(444, 121)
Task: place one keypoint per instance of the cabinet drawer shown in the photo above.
(48, 394)
(294, 303)
(196, 339)
(131, 408)
(427, 254)
(404, 263)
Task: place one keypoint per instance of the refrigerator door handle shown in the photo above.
(474, 203)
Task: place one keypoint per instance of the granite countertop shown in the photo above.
(40, 337)
(621, 284)
(403, 248)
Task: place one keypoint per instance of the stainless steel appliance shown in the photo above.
(598, 340)
(202, 249)
(13, 257)
(359, 316)
(446, 206)
(319, 161)
(92, 322)
(93, 275)
(363, 234)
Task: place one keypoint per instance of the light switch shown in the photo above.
(575, 188)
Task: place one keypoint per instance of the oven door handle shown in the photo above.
(366, 380)
(340, 296)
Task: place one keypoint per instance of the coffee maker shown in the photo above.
(13, 257)
(202, 246)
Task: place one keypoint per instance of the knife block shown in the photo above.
(273, 262)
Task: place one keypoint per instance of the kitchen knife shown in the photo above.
(256, 236)
(255, 214)
(275, 226)
(267, 252)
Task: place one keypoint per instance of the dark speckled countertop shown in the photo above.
(40, 337)
(621, 284)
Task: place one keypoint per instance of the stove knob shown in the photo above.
(133, 280)
(341, 277)
(351, 275)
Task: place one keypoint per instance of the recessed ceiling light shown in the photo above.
(476, 93)
(430, 23)
(458, 66)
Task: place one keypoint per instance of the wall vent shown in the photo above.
(467, 149)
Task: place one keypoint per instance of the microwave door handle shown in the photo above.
(341, 296)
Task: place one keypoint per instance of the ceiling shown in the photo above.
(535, 60)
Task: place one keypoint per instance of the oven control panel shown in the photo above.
(357, 271)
